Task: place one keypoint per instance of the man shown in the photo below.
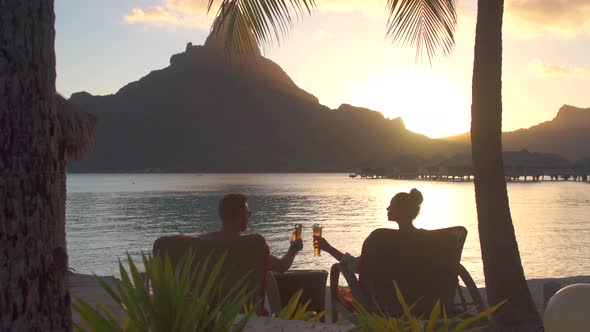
(234, 214)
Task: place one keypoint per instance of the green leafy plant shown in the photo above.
(375, 322)
(184, 298)
(294, 311)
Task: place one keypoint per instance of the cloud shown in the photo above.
(174, 13)
(562, 18)
(193, 13)
(321, 35)
(152, 15)
(544, 69)
(524, 18)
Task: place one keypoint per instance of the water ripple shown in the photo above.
(109, 216)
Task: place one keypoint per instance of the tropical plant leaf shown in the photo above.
(433, 318)
(93, 319)
(427, 25)
(294, 311)
(109, 314)
(176, 303)
(264, 20)
(139, 291)
(130, 302)
(407, 322)
(287, 312)
(466, 322)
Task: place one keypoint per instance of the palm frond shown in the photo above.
(265, 21)
(427, 25)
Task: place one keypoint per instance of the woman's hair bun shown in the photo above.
(416, 196)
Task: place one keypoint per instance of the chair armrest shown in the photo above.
(355, 286)
(334, 276)
(471, 288)
(272, 293)
(351, 280)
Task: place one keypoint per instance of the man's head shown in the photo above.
(234, 211)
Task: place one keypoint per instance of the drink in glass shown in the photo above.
(297, 232)
(317, 232)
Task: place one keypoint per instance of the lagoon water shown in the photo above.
(109, 215)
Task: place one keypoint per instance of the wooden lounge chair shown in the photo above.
(424, 264)
(246, 255)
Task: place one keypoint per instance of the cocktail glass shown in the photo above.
(297, 232)
(317, 232)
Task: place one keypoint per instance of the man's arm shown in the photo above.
(284, 263)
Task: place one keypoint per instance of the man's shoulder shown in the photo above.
(221, 235)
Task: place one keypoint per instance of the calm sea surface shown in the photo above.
(109, 215)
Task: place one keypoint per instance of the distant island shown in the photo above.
(566, 134)
(210, 113)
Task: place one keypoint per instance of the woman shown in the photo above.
(403, 209)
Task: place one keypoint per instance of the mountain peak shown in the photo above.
(565, 109)
(572, 117)
(81, 94)
(217, 40)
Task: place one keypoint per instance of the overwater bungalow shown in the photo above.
(581, 169)
(457, 167)
(518, 165)
(524, 164)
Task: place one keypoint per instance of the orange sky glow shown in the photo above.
(340, 55)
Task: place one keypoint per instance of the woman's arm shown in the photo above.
(351, 262)
(324, 245)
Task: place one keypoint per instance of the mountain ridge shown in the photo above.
(564, 134)
(206, 112)
(209, 112)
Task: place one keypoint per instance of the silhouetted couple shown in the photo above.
(234, 213)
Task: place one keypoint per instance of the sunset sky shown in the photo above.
(340, 55)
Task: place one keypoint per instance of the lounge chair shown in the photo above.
(246, 255)
(424, 264)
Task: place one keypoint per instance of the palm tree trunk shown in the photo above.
(503, 270)
(33, 262)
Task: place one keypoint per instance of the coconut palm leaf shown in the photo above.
(265, 20)
(427, 25)
(424, 24)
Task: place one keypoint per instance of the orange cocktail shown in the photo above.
(317, 232)
(297, 232)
